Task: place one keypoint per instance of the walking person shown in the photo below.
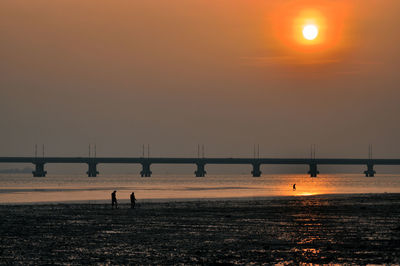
(114, 200)
(133, 200)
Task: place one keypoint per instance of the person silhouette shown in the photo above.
(294, 187)
(114, 200)
(133, 200)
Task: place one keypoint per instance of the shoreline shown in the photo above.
(182, 200)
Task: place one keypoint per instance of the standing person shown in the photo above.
(133, 200)
(294, 187)
(114, 200)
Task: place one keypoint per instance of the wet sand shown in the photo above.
(358, 229)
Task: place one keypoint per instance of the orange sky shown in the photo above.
(177, 73)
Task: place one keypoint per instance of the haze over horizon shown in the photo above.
(175, 74)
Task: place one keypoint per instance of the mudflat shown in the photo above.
(358, 229)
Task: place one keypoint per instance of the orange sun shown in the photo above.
(310, 32)
(306, 26)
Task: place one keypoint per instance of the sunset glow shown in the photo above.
(200, 132)
(310, 28)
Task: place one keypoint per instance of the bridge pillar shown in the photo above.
(200, 172)
(92, 170)
(370, 172)
(256, 170)
(146, 172)
(313, 170)
(39, 170)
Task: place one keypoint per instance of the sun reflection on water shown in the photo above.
(306, 194)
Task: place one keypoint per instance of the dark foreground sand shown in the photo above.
(356, 229)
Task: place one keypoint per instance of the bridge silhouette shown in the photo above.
(146, 163)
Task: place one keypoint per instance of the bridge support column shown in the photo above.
(200, 172)
(256, 170)
(146, 172)
(370, 172)
(39, 170)
(92, 170)
(313, 170)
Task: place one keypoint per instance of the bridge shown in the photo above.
(146, 163)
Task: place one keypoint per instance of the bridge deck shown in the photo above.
(164, 160)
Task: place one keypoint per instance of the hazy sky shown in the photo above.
(226, 74)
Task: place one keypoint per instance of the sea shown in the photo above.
(58, 188)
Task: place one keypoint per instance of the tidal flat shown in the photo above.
(358, 229)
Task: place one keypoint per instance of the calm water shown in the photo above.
(61, 188)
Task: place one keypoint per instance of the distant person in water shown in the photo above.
(114, 199)
(294, 187)
(133, 200)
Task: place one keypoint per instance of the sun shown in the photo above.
(310, 32)
(302, 27)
